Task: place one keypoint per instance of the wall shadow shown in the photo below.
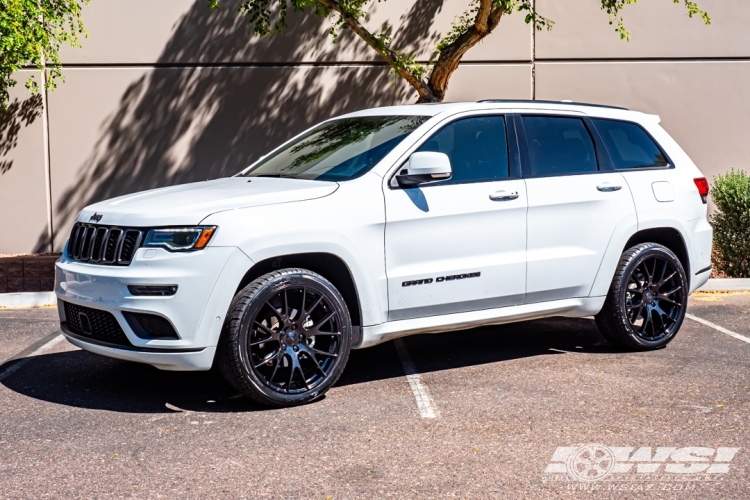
(18, 114)
(181, 123)
(84, 380)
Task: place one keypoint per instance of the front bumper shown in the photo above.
(164, 359)
(206, 281)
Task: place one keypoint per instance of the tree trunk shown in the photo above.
(488, 17)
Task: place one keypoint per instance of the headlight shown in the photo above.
(180, 239)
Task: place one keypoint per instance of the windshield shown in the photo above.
(339, 150)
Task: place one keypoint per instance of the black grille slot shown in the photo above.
(98, 244)
(150, 326)
(110, 248)
(88, 235)
(94, 324)
(129, 245)
(73, 241)
(103, 244)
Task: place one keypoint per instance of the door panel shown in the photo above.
(451, 248)
(571, 220)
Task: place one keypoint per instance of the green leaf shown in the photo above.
(31, 33)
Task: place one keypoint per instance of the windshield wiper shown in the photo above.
(278, 176)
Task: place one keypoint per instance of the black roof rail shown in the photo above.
(571, 103)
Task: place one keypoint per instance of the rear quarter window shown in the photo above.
(629, 146)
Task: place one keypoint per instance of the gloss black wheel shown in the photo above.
(287, 338)
(646, 303)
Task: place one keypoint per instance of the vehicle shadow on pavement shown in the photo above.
(85, 380)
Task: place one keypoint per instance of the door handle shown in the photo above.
(503, 195)
(608, 188)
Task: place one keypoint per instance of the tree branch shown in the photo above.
(392, 57)
(483, 15)
(487, 19)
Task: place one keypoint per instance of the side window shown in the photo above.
(559, 145)
(629, 146)
(477, 148)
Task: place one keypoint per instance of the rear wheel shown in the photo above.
(647, 300)
(287, 338)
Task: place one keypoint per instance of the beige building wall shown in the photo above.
(23, 184)
(183, 94)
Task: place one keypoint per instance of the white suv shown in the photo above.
(391, 222)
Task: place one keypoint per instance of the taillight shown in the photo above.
(702, 184)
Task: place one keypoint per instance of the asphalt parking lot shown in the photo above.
(500, 407)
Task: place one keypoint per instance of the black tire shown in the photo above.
(286, 339)
(647, 300)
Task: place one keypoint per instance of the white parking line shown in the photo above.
(425, 404)
(719, 328)
(25, 358)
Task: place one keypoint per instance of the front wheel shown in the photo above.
(287, 338)
(647, 300)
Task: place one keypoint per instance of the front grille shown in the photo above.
(103, 244)
(150, 326)
(94, 324)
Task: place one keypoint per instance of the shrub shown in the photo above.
(731, 223)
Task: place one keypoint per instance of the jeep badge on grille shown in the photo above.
(95, 218)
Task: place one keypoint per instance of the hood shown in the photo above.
(189, 204)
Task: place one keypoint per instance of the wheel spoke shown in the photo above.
(663, 281)
(279, 357)
(286, 304)
(263, 341)
(322, 322)
(266, 330)
(663, 314)
(321, 353)
(653, 274)
(275, 312)
(266, 360)
(660, 298)
(295, 366)
(635, 282)
(302, 312)
(663, 271)
(674, 290)
(315, 304)
(310, 352)
(646, 320)
(637, 313)
(649, 277)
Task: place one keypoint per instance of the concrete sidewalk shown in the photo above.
(726, 285)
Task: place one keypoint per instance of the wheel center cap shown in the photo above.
(292, 338)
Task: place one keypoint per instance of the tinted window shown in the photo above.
(477, 148)
(629, 146)
(339, 150)
(559, 145)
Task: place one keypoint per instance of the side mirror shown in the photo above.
(425, 167)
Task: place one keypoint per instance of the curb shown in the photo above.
(27, 299)
(726, 285)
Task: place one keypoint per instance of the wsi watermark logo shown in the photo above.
(599, 467)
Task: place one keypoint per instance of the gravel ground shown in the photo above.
(74, 424)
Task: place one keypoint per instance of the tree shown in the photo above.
(31, 33)
(430, 80)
